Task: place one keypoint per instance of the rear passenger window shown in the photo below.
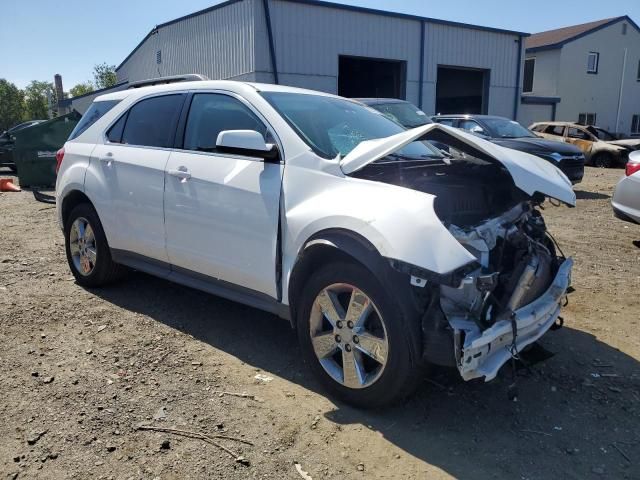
(115, 132)
(152, 122)
(211, 113)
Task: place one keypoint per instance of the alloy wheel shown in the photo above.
(82, 245)
(348, 336)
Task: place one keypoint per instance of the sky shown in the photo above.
(40, 38)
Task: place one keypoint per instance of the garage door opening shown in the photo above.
(371, 77)
(462, 90)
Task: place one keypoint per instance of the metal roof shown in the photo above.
(552, 39)
(321, 3)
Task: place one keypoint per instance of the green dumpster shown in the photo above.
(35, 150)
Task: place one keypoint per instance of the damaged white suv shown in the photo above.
(383, 253)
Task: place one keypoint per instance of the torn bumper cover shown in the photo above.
(484, 352)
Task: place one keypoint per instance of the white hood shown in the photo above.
(530, 173)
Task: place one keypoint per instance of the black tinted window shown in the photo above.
(115, 132)
(152, 122)
(91, 116)
(211, 113)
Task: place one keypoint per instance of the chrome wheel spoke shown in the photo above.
(91, 255)
(89, 237)
(324, 345)
(359, 308)
(74, 248)
(330, 307)
(353, 373)
(373, 346)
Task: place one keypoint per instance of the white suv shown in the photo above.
(382, 252)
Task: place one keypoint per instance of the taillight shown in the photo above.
(631, 168)
(59, 157)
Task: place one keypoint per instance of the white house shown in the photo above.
(588, 73)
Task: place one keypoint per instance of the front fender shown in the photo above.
(400, 223)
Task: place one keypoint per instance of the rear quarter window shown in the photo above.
(91, 116)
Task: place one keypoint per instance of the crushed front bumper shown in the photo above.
(483, 353)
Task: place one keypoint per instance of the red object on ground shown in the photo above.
(7, 185)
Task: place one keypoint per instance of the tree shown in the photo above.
(104, 75)
(37, 97)
(11, 104)
(81, 89)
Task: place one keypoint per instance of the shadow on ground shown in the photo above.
(563, 426)
(584, 195)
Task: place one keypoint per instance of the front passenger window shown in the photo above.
(211, 113)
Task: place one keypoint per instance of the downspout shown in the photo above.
(624, 68)
(421, 76)
(516, 100)
(272, 50)
(553, 111)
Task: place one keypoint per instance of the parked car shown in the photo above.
(510, 134)
(383, 254)
(7, 143)
(601, 148)
(626, 197)
(400, 111)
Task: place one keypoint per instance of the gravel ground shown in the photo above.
(83, 369)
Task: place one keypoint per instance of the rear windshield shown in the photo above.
(91, 116)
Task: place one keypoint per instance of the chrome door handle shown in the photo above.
(180, 172)
(108, 159)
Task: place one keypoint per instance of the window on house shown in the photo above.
(529, 67)
(159, 57)
(635, 125)
(638, 73)
(587, 118)
(592, 62)
(624, 28)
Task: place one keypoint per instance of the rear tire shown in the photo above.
(602, 160)
(370, 364)
(87, 249)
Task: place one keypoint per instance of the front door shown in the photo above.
(581, 139)
(221, 210)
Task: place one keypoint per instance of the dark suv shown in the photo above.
(510, 134)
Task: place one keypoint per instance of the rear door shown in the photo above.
(127, 175)
(222, 210)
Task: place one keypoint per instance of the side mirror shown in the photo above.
(248, 143)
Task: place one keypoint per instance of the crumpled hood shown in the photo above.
(529, 173)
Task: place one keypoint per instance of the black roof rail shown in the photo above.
(188, 77)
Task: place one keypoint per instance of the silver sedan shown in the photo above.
(626, 198)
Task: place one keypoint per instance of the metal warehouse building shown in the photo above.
(442, 66)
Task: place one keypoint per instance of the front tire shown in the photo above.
(353, 337)
(87, 249)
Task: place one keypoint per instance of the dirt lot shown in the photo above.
(82, 369)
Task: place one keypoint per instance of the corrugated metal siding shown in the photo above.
(219, 44)
(308, 40)
(464, 47)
